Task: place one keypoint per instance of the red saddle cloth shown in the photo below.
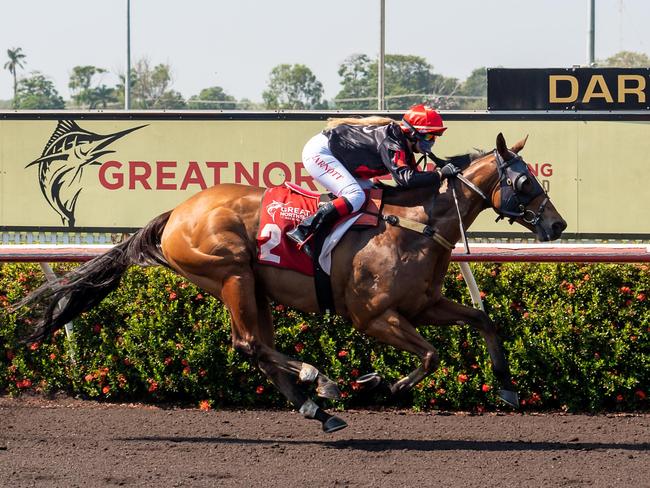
(284, 207)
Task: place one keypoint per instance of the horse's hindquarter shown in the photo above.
(215, 228)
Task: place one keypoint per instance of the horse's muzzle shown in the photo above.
(550, 231)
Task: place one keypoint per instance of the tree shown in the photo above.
(626, 59)
(357, 92)
(474, 86)
(407, 80)
(212, 98)
(37, 92)
(85, 95)
(150, 87)
(16, 60)
(293, 87)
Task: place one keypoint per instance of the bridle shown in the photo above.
(513, 175)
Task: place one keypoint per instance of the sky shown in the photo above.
(235, 44)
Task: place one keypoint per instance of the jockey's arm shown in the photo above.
(404, 174)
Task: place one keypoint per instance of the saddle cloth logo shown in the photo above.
(283, 209)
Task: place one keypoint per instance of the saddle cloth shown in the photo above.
(284, 207)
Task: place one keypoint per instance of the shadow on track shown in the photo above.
(374, 445)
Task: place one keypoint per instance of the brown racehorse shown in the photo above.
(387, 280)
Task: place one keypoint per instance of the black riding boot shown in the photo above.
(323, 219)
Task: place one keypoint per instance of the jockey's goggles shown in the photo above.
(429, 137)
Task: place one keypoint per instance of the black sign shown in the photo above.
(569, 89)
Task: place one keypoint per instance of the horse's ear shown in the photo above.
(519, 145)
(502, 147)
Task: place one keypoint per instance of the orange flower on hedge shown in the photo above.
(342, 353)
(173, 296)
(485, 388)
(462, 378)
(299, 347)
(259, 390)
(640, 394)
(204, 405)
(34, 346)
(89, 377)
(106, 389)
(153, 386)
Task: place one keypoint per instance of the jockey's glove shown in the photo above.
(449, 171)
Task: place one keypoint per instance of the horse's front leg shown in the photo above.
(394, 329)
(447, 312)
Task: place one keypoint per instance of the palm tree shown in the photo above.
(16, 58)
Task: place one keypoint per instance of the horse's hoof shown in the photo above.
(509, 397)
(333, 424)
(329, 390)
(369, 381)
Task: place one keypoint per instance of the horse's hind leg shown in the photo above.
(394, 329)
(447, 312)
(252, 334)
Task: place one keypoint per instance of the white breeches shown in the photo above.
(329, 172)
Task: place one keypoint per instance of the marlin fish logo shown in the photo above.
(60, 167)
(273, 207)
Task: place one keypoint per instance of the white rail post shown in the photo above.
(50, 276)
(471, 284)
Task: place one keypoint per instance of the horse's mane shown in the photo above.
(391, 191)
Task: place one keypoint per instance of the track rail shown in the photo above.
(541, 253)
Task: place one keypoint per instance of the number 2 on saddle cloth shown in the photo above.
(284, 207)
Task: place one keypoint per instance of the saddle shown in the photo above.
(284, 207)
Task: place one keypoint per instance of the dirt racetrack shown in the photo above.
(67, 442)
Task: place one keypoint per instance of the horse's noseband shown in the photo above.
(513, 177)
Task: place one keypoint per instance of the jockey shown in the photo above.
(351, 151)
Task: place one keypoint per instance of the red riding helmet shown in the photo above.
(424, 119)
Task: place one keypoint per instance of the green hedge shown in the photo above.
(577, 337)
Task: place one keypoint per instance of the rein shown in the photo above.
(509, 179)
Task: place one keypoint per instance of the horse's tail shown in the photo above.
(62, 300)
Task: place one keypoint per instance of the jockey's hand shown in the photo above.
(449, 171)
